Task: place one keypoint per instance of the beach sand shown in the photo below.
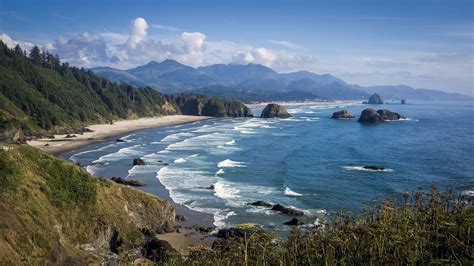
(101, 132)
(186, 238)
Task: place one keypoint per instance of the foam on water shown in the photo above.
(180, 160)
(230, 163)
(220, 172)
(225, 191)
(291, 193)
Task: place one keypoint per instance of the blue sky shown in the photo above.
(425, 44)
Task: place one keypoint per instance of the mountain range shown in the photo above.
(254, 82)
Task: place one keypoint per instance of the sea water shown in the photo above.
(308, 162)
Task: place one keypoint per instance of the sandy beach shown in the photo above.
(60, 144)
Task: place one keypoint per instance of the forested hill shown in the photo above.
(38, 93)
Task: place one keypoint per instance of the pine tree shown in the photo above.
(35, 55)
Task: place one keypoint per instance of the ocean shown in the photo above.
(309, 162)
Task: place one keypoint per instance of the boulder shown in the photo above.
(403, 101)
(138, 162)
(261, 204)
(70, 136)
(370, 116)
(275, 111)
(128, 182)
(158, 250)
(374, 167)
(389, 115)
(285, 210)
(375, 99)
(294, 222)
(343, 114)
(120, 140)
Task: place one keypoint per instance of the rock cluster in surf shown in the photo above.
(370, 116)
(343, 114)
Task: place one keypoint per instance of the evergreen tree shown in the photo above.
(35, 55)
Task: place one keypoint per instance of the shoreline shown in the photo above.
(102, 132)
(263, 104)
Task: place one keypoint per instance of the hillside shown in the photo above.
(38, 93)
(54, 212)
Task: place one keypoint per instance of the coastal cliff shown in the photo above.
(54, 212)
(193, 104)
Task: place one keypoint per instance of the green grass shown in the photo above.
(422, 228)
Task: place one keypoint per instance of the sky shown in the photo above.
(423, 44)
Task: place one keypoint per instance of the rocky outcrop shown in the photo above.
(261, 203)
(343, 114)
(158, 250)
(191, 104)
(389, 115)
(294, 222)
(375, 99)
(286, 210)
(374, 167)
(127, 182)
(274, 110)
(370, 116)
(138, 162)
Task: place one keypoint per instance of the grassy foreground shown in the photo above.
(54, 212)
(422, 228)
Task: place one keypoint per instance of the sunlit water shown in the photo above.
(310, 162)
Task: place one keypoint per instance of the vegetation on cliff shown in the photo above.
(55, 212)
(421, 228)
(38, 93)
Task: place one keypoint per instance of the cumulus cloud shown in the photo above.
(138, 32)
(6, 39)
(137, 47)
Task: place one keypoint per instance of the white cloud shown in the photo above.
(6, 39)
(138, 32)
(286, 44)
(164, 27)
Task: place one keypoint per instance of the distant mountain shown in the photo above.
(251, 80)
(406, 92)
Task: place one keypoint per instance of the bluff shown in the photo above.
(193, 104)
(54, 212)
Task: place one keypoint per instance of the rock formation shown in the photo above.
(138, 162)
(273, 110)
(286, 210)
(375, 99)
(343, 114)
(370, 116)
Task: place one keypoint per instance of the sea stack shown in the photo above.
(370, 116)
(343, 114)
(375, 99)
(274, 110)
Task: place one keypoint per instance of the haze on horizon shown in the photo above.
(427, 44)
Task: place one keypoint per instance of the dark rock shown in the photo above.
(191, 104)
(85, 129)
(120, 140)
(403, 101)
(46, 145)
(70, 136)
(261, 204)
(294, 222)
(275, 110)
(210, 187)
(375, 99)
(128, 182)
(166, 164)
(90, 138)
(138, 162)
(160, 161)
(370, 116)
(389, 115)
(50, 136)
(231, 233)
(115, 242)
(374, 167)
(285, 210)
(180, 218)
(158, 250)
(343, 114)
